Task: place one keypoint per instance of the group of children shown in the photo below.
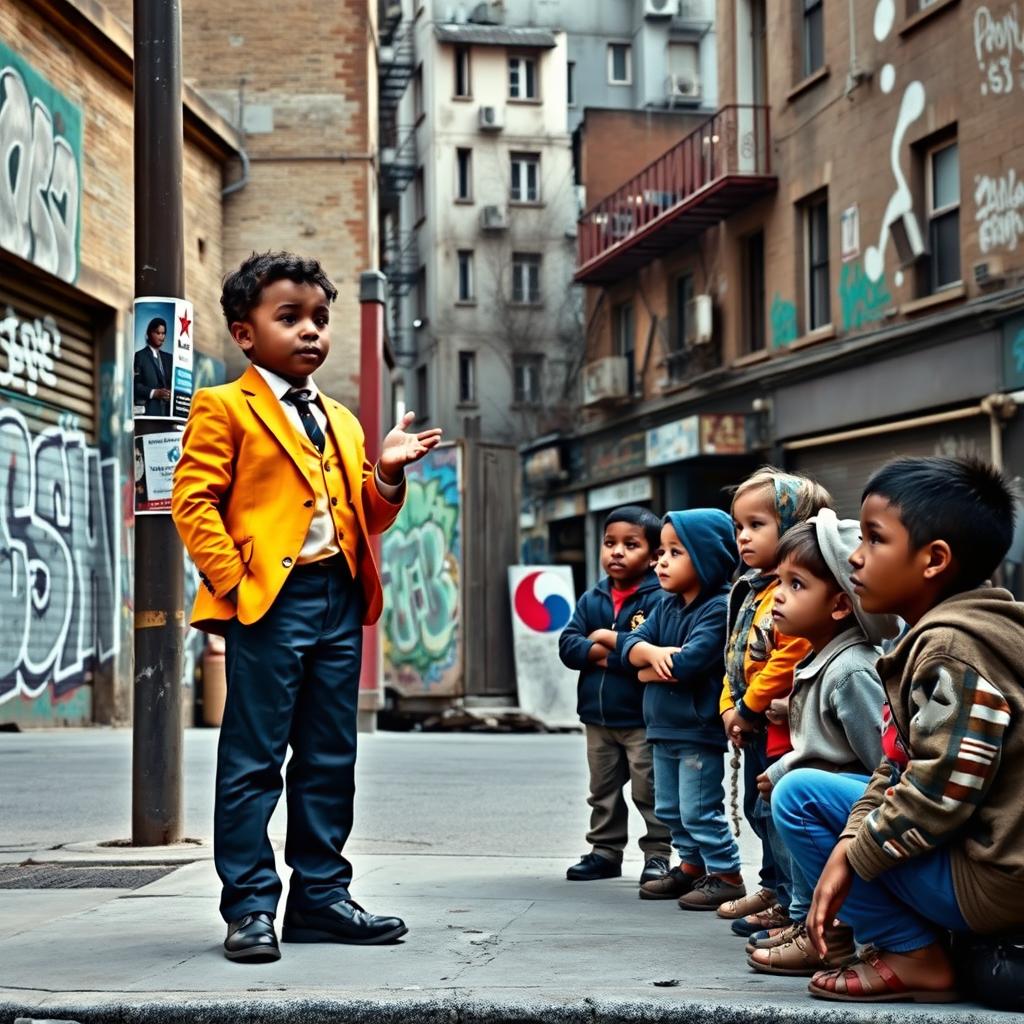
(882, 788)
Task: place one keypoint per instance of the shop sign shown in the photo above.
(543, 465)
(1013, 352)
(41, 179)
(673, 441)
(723, 435)
(565, 506)
(625, 492)
(612, 457)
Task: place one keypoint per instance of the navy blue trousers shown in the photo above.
(293, 680)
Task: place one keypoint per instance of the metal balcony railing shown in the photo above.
(719, 167)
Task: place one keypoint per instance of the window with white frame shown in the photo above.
(524, 178)
(620, 64)
(813, 36)
(467, 378)
(522, 78)
(817, 288)
(463, 174)
(943, 186)
(466, 293)
(526, 278)
(463, 87)
(526, 371)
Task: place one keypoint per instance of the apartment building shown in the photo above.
(827, 272)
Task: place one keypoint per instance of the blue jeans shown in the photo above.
(906, 907)
(689, 799)
(755, 761)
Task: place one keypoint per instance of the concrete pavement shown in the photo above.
(493, 937)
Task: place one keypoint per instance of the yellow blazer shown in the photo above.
(242, 499)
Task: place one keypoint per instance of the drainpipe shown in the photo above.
(999, 408)
(237, 186)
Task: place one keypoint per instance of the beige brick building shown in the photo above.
(66, 289)
(302, 89)
(828, 272)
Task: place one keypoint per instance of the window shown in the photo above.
(463, 174)
(466, 276)
(417, 94)
(753, 294)
(421, 296)
(422, 396)
(526, 379)
(467, 377)
(813, 36)
(419, 194)
(526, 278)
(570, 83)
(462, 83)
(819, 312)
(684, 293)
(620, 64)
(624, 339)
(525, 178)
(522, 78)
(943, 179)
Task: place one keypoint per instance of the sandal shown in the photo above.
(883, 986)
(797, 957)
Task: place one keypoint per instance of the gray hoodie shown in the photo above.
(835, 710)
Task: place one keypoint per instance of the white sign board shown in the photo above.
(673, 442)
(543, 600)
(625, 492)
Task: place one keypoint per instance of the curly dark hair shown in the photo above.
(242, 287)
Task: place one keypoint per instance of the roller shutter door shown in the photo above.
(844, 467)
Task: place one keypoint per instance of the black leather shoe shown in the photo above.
(251, 939)
(344, 921)
(656, 867)
(593, 866)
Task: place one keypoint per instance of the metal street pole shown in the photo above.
(159, 568)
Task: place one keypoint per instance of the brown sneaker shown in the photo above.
(752, 904)
(773, 917)
(772, 937)
(670, 886)
(799, 958)
(709, 893)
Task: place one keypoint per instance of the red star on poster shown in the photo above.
(185, 324)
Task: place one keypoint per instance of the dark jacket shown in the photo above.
(147, 378)
(608, 696)
(687, 708)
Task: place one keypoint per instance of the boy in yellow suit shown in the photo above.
(276, 502)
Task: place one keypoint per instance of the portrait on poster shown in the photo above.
(163, 356)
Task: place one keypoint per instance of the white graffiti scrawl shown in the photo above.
(59, 598)
(1000, 211)
(999, 48)
(39, 181)
(30, 347)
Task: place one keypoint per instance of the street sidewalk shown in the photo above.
(491, 939)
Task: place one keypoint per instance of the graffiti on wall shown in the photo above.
(999, 49)
(861, 300)
(784, 322)
(421, 556)
(59, 591)
(999, 210)
(40, 169)
(31, 347)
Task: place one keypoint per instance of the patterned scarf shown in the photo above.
(787, 494)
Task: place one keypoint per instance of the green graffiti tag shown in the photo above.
(421, 564)
(783, 316)
(863, 301)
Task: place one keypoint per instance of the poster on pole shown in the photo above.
(543, 600)
(156, 455)
(162, 365)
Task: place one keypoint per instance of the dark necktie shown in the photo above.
(159, 369)
(300, 399)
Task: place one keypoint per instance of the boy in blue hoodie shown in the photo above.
(610, 703)
(679, 651)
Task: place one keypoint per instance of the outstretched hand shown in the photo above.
(400, 448)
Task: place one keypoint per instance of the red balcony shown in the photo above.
(719, 168)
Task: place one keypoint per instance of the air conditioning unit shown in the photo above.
(605, 380)
(660, 8)
(700, 328)
(493, 218)
(492, 119)
(682, 87)
(988, 272)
